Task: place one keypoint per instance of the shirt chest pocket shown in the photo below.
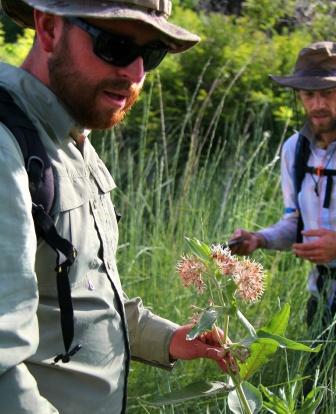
(83, 213)
(102, 208)
(82, 197)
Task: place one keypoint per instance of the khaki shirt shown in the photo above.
(94, 381)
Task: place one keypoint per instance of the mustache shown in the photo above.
(320, 113)
(118, 84)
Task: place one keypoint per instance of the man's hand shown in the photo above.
(251, 242)
(321, 250)
(205, 346)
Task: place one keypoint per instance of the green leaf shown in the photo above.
(288, 343)
(207, 319)
(199, 248)
(279, 322)
(274, 404)
(252, 395)
(229, 290)
(246, 324)
(312, 401)
(197, 390)
(261, 352)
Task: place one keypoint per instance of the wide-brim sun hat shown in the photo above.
(315, 68)
(155, 13)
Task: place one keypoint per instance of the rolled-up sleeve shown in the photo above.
(281, 235)
(19, 293)
(150, 335)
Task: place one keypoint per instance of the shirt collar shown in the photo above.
(307, 132)
(37, 100)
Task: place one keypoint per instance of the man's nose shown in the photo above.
(134, 72)
(318, 102)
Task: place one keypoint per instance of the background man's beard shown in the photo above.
(323, 128)
(79, 96)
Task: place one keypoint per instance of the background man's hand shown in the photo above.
(251, 242)
(205, 346)
(321, 250)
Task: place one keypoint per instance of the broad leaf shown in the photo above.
(197, 390)
(229, 290)
(246, 324)
(208, 318)
(261, 352)
(252, 395)
(277, 325)
(279, 322)
(288, 343)
(199, 248)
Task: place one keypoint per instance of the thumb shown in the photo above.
(240, 233)
(237, 233)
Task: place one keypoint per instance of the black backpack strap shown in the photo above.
(37, 163)
(66, 255)
(302, 153)
(41, 187)
(329, 173)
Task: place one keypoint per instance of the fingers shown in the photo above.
(247, 246)
(214, 353)
(312, 251)
(305, 248)
(223, 365)
(315, 232)
(240, 247)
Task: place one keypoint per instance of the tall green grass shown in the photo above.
(228, 178)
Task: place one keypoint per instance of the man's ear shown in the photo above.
(47, 28)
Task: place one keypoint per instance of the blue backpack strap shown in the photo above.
(302, 153)
(41, 187)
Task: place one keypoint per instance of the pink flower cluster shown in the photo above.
(224, 260)
(247, 275)
(191, 270)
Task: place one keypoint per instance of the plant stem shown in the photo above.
(226, 328)
(242, 399)
(240, 392)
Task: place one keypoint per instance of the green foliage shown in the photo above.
(14, 53)
(191, 392)
(265, 14)
(230, 70)
(253, 397)
(11, 29)
(207, 319)
(287, 401)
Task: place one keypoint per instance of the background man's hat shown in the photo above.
(152, 12)
(315, 68)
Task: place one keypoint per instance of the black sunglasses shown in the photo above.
(121, 50)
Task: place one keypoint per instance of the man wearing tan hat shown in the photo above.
(308, 175)
(66, 338)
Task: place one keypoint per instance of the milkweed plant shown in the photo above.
(224, 283)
